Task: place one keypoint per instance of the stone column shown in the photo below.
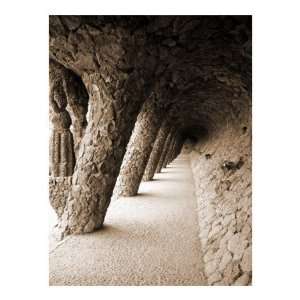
(156, 151)
(165, 151)
(139, 149)
(62, 157)
(169, 152)
(114, 104)
(178, 148)
(118, 72)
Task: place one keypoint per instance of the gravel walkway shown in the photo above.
(150, 239)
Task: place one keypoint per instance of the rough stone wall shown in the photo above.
(61, 141)
(61, 150)
(58, 193)
(68, 102)
(221, 167)
(77, 106)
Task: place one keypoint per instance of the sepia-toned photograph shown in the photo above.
(150, 150)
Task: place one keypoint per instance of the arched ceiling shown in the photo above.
(199, 67)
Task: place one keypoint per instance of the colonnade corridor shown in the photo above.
(127, 95)
(149, 239)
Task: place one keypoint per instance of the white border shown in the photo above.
(24, 147)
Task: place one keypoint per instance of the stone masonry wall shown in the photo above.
(221, 168)
(59, 188)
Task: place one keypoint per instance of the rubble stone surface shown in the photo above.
(139, 149)
(157, 151)
(224, 205)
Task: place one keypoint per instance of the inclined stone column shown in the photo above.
(177, 145)
(118, 72)
(169, 152)
(139, 149)
(110, 123)
(164, 152)
(177, 149)
(62, 158)
(156, 151)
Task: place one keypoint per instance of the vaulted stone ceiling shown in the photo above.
(199, 67)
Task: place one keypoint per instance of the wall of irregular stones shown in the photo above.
(59, 188)
(221, 166)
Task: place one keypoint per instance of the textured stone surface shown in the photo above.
(62, 158)
(68, 103)
(177, 149)
(224, 204)
(111, 63)
(58, 193)
(97, 167)
(165, 150)
(139, 149)
(169, 152)
(77, 106)
(156, 151)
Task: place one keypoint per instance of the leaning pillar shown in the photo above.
(169, 152)
(138, 149)
(164, 152)
(156, 151)
(178, 148)
(110, 123)
(118, 72)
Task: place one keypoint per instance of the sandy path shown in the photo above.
(150, 239)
